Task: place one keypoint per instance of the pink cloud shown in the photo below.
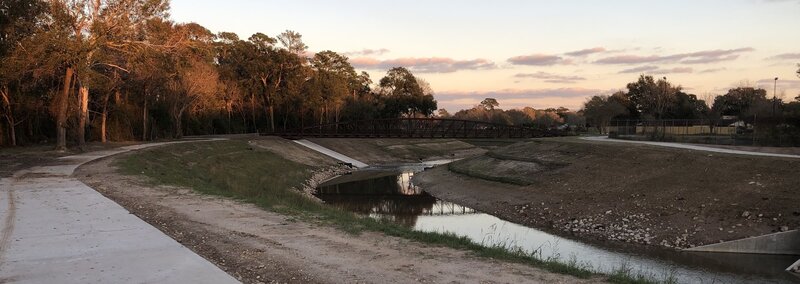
(584, 52)
(424, 65)
(639, 69)
(538, 60)
(551, 78)
(699, 57)
(572, 98)
(367, 52)
(785, 56)
(712, 70)
(655, 70)
(782, 84)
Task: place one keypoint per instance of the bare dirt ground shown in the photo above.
(381, 151)
(257, 246)
(773, 150)
(627, 193)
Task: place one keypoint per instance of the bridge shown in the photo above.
(415, 128)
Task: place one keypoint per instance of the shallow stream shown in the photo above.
(386, 192)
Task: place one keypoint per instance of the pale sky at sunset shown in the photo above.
(536, 53)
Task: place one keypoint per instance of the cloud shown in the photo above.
(712, 70)
(584, 52)
(782, 84)
(572, 98)
(639, 69)
(656, 70)
(782, 1)
(424, 65)
(785, 56)
(628, 59)
(367, 52)
(551, 78)
(698, 57)
(538, 60)
(675, 70)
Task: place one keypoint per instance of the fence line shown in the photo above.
(704, 131)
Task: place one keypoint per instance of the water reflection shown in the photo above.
(387, 193)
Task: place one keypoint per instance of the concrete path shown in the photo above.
(56, 229)
(331, 153)
(691, 147)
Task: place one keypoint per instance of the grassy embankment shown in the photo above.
(236, 170)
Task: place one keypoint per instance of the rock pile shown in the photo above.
(321, 175)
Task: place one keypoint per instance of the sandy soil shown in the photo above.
(628, 193)
(255, 245)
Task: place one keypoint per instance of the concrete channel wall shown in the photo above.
(778, 243)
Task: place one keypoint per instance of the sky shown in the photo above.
(537, 53)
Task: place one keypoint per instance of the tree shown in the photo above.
(194, 85)
(739, 101)
(18, 19)
(403, 94)
(650, 97)
(600, 110)
(293, 42)
(489, 103)
(337, 78)
(687, 106)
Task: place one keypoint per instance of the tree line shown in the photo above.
(657, 99)
(103, 70)
(548, 118)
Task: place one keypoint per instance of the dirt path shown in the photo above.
(255, 245)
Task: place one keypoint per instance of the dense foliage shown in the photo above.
(78, 70)
(648, 99)
(771, 121)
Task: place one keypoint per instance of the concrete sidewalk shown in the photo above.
(691, 147)
(56, 229)
(331, 153)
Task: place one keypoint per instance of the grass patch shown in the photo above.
(234, 169)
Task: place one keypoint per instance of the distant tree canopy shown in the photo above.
(78, 70)
(404, 95)
(646, 98)
(542, 118)
(740, 101)
(489, 103)
(600, 110)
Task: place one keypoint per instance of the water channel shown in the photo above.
(386, 192)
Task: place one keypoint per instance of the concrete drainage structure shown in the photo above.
(787, 243)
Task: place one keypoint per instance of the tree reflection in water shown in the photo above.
(389, 197)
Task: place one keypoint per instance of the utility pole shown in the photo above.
(774, 98)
